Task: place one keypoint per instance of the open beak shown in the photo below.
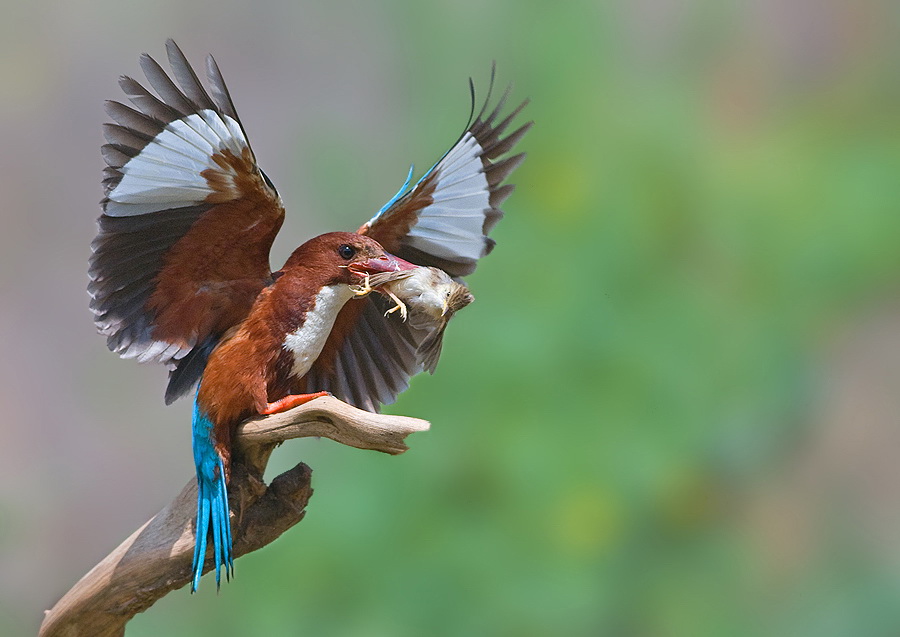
(386, 263)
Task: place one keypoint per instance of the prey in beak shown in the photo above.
(387, 264)
(428, 298)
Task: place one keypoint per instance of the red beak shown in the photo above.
(386, 263)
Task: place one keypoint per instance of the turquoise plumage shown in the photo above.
(212, 502)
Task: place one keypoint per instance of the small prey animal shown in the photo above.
(428, 298)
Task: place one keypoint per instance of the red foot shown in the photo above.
(289, 402)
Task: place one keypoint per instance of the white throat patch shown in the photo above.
(307, 341)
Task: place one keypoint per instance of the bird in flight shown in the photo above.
(180, 270)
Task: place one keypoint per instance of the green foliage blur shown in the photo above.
(627, 423)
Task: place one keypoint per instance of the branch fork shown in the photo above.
(156, 558)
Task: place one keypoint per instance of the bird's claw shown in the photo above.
(290, 401)
(363, 289)
(400, 305)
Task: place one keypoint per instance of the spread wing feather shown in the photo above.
(442, 221)
(373, 363)
(188, 220)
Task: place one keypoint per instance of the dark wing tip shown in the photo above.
(430, 350)
(220, 94)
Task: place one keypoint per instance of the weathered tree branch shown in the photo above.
(156, 559)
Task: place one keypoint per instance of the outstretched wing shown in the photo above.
(188, 220)
(443, 221)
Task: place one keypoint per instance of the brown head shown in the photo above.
(342, 257)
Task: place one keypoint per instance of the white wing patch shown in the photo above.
(167, 171)
(451, 227)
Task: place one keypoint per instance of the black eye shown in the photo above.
(346, 251)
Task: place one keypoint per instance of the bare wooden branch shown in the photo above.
(156, 559)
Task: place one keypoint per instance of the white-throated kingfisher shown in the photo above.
(180, 269)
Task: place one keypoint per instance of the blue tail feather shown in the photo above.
(212, 502)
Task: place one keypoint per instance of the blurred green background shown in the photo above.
(674, 407)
